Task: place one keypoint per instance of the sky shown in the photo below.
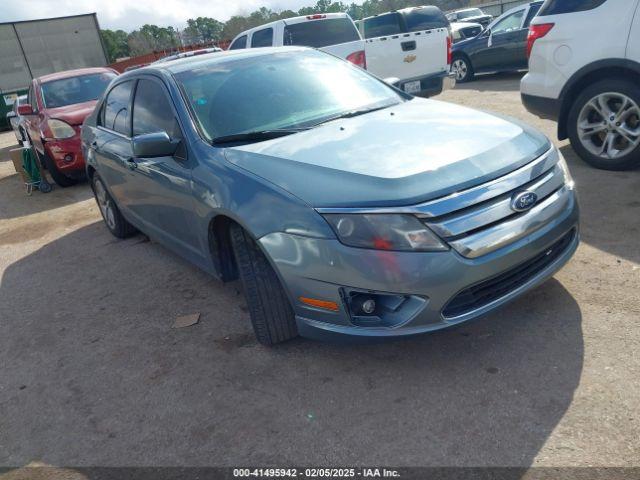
(131, 14)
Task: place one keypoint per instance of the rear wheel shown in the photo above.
(113, 219)
(269, 307)
(462, 69)
(604, 125)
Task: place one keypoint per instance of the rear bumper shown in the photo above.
(431, 85)
(543, 107)
(328, 270)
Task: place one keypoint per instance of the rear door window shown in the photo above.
(425, 18)
(533, 11)
(239, 43)
(262, 38)
(382, 25)
(116, 109)
(321, 33)
(556, 7)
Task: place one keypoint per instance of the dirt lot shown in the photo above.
(93, 374)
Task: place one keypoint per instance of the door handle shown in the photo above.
(131, 163)
(408, 46)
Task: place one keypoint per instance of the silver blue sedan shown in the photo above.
(345, 206)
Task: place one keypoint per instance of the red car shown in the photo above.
(57, 105)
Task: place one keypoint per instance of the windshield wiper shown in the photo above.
(256, 135)
(352, 113)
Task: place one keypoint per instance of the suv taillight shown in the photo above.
(358, 58)
(536, 32)
(449, 46)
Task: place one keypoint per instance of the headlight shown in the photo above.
(562, 163)
(60, 129)
(384, 232)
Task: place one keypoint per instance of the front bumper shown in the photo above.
(66, 154)
(326, 269)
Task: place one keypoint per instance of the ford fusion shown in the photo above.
(345, 206)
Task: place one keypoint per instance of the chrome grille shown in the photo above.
(480, 220)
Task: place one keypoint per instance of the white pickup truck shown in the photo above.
(415, 53)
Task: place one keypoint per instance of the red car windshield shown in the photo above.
(68, 91)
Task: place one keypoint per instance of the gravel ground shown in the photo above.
(93, 374)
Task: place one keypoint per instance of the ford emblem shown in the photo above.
(523, 201)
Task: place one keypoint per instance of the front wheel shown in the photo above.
(604, 125)
(462, 69)
(269, 307)
(60, 178)
(113, 219)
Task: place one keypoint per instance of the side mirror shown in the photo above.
(25, 110)
(154, 145)
(393, 81)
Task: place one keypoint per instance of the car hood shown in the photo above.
(406, 154)
(73, 114)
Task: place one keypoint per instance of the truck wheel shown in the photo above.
(604, 125)
(462, 68)
(114, 220)
(269, 308)
(60, 178)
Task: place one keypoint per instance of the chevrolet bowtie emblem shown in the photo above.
(410, 58)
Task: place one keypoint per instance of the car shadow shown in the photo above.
(610, 207)
(494, 82)
(99, 364)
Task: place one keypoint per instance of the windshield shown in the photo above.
(278, 91)
(321, 33)
(68, 91)
(473, 12)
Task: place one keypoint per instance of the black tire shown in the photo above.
(465, 63)
(115, 222)
(624, 162)
(269, 307)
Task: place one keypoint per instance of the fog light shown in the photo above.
(363, 304)
(369, 306)
(68, 158)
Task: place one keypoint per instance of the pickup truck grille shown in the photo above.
(484, 293)
(480, 220)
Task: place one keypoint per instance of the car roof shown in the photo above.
(189, 63)
(73, 73)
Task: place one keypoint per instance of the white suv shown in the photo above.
(584, 72)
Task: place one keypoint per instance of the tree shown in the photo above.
(203, 29)
(115, 43)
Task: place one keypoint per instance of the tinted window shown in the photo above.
(555, 7)
(68, 91)
(262, 38)
(533, 11)
(296, 89)
(509, 23)
(320, 33)
(382, 25)
(425, 18)
(240, 42)
(116, 109)
(152, 111)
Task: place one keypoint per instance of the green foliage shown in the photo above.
(115, 43)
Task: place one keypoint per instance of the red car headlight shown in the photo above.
(59, 129)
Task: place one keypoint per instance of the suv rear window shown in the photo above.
(556, 7)
(321, 33)
(382, 25)
(262, 38)
(425, 18)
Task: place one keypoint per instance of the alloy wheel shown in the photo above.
(460, 69)
(105, 205)
(609, 125)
